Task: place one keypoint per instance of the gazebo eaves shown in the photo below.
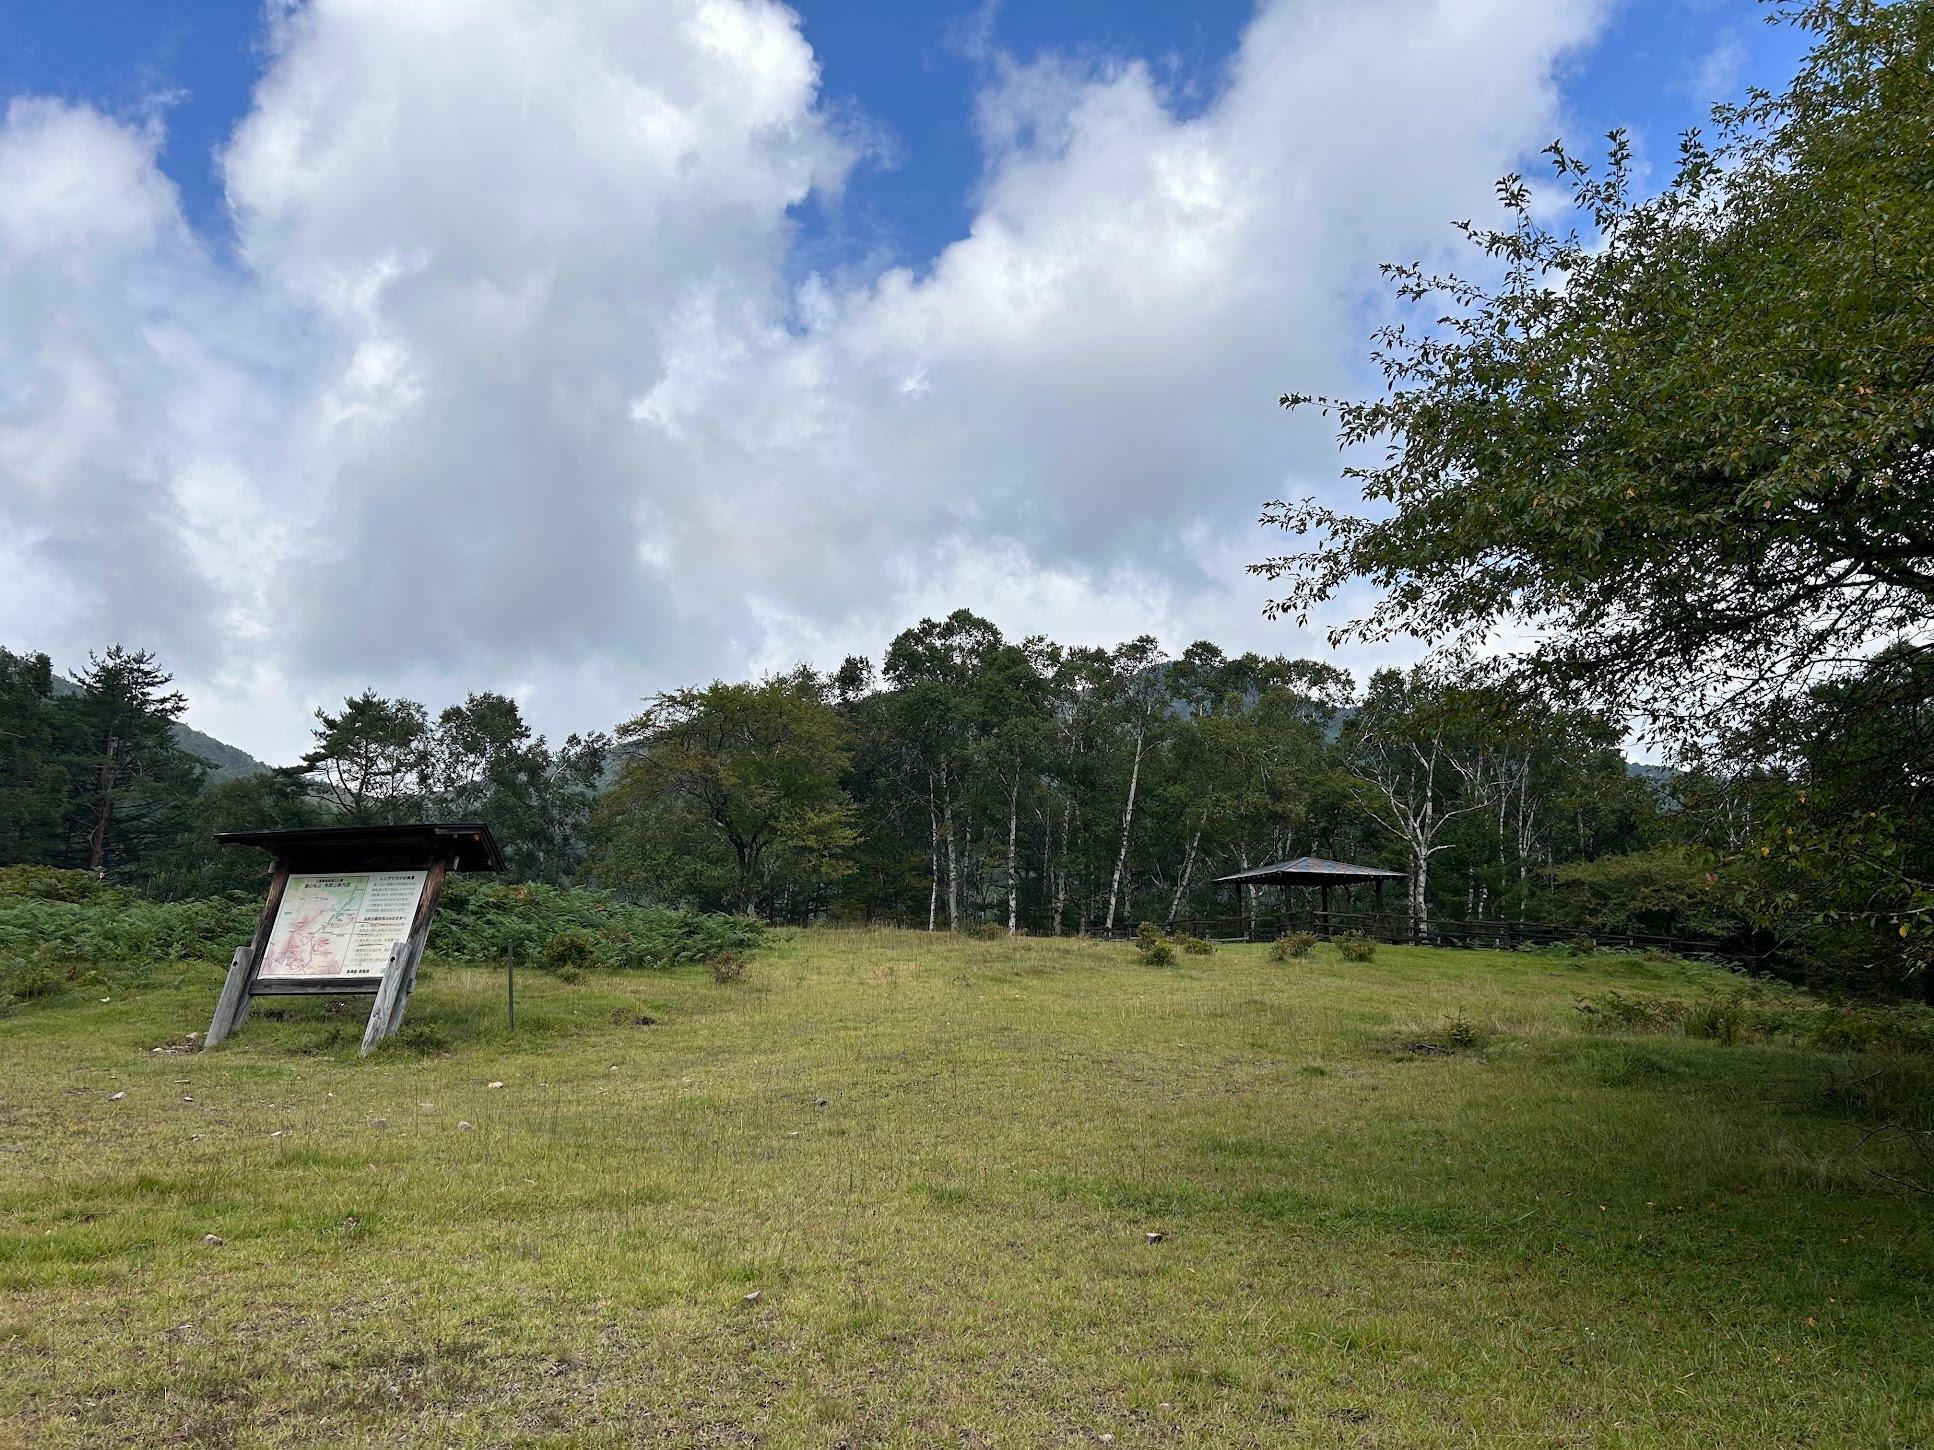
(1309, 871)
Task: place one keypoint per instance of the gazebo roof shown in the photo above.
(468, 844)
(1309, 871)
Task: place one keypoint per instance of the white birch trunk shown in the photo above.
(1127, 819)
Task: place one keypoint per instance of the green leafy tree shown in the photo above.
(372, 763)
(1138, 688)
(1071, 804)
(1013, 735)
(486, 764)
(1835, 859)
(1688, 444)
(935, 670)
(751, 772)
(1689, 441)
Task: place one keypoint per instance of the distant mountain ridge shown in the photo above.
(224, 761)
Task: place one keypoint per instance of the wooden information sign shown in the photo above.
(348, 910)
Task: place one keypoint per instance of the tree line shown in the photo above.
(967, 780)
(970, 780)
(94, 776)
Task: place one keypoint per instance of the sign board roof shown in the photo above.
(377, 848)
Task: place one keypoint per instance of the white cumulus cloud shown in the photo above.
(509, 382)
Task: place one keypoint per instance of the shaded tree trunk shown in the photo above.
(1188, 865)
(1127, 820)
(103, 813)
(953, 853)
(1061, 872)
(933, 859)
(1013, 826)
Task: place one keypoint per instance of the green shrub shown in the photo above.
(51, 883)
(1663, 891)
(26, 981)
(480, 921)
(67, 917)
(1152, 947)
(727, 967)
(983, 931)
(1719, 1019)
(1298, 944)
(1354, 946)
(572, 949)
(1756, 1014)
(1580, 946)
(69, 921)
(1195, 946)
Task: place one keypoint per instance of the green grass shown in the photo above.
(1554, 1233)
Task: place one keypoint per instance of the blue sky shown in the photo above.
(696, 338)
(913, 69)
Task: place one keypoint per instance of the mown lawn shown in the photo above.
(936, 1163)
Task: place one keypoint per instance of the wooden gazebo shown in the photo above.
(1319, 872)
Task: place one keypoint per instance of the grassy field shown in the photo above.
(898, 1190)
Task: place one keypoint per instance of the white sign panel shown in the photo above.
(341, 924)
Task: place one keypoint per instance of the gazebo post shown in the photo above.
(1325, 889)
(1378, 930)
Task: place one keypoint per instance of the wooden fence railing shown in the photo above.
(1397, 927)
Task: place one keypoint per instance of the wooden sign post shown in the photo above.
(348, 911)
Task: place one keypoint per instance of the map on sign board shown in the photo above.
(342, 924)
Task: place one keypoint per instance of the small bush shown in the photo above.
(1354, 946)
(1580, 946)
(1718, 1019)
(727, 967)
(1297, 944)
(1195, 946)
(29, 980)
(983, 931)
(571, 950)
(1152, 947)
